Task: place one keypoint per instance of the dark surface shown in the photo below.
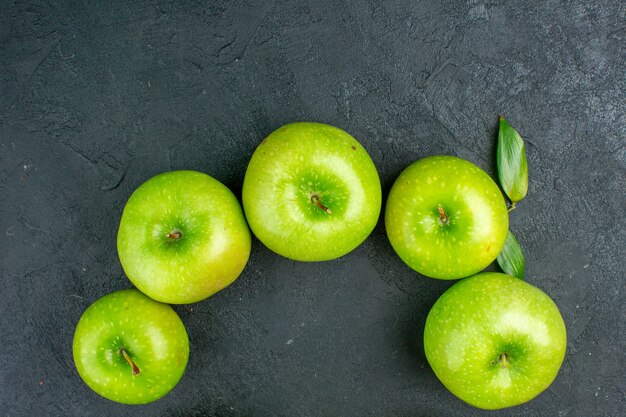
(95, 98)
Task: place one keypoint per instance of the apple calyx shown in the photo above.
(442, 215)
(503, 360)
(174, 234)
(315, 199)
(132, 364)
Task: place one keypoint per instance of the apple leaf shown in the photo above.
(512, 165)
(511, 259)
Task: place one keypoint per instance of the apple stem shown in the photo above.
(503, 360)
(132, 364)
(315, 199)
(442, 215)
(512, 207)
(174, 234)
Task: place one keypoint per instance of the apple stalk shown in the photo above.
(315, 199)
(442, 215)
(132, 364)
(174, 234)
(503, 359)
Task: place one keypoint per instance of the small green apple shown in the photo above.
(311, 192)
(182, 237)
(129, 348)
(446, 218)
(495, 341)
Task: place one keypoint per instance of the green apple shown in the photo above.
(311, 192)
(446, 218)
(182, 237)
(495, 341)
(129, 348)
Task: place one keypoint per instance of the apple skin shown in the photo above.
(294, 166)
(477, 219)
(211, 252)
(150, 332)
(477, 320)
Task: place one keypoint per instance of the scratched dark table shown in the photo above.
(98, 96)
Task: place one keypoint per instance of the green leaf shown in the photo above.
(512, 165)
(511, 259)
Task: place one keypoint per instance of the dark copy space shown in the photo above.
(98, 96)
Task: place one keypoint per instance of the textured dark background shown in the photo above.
(98, 96)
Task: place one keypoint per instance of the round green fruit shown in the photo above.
(446, 218)
(129, 348)
(495, 341)
(311, 192)
(182, 237)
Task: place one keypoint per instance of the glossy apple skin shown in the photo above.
(210, 254)
(291, 166)
(477, 320)
(477, 217)
(151, 333)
